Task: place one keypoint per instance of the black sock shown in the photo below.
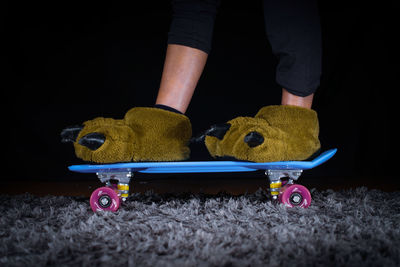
(164, 107)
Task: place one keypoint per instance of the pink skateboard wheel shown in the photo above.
(104, 198)
(295, 196)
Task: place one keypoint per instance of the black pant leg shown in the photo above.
(294, 32)
(193, 23)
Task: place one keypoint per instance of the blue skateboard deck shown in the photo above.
(202, 166)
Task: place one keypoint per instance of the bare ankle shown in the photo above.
(294, 100)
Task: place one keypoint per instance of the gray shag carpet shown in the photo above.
(345, 228)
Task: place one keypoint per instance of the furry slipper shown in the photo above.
(276, 133)
(145, 134)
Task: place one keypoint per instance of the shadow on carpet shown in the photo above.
(347, 228)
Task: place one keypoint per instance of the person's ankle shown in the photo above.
(294, 100)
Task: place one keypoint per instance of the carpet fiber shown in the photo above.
(346, 228)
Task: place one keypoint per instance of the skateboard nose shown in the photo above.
(70, 133)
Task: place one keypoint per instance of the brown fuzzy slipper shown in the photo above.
(276, 133)
(145, 134)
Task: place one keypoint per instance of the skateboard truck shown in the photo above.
(123, 179)
(275, 183)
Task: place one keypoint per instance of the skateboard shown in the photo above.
(281, 175)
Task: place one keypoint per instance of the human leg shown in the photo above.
(182, 70)
(288, 131)
(295, 100)
(189, 43)
(294, 32)
(156, 134)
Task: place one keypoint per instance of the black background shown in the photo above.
(71, 61)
